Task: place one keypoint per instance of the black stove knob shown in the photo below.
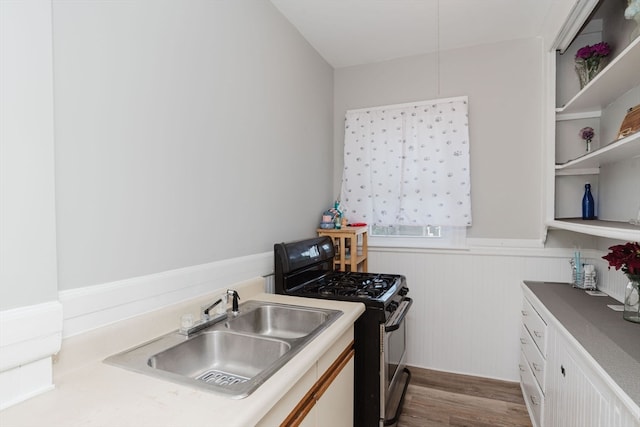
(403, 291)
(393, 306)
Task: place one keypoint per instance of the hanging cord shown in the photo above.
(438, 45)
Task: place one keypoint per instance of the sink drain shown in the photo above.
(221, 378)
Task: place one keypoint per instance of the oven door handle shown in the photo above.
(400, 317)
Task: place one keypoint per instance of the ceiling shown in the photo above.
(352, 32)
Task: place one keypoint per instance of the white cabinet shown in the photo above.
(561, 383)
(577, 395)
(533, 361)
(612, 167)
(335, 406)
(324, 395)
(574, 399)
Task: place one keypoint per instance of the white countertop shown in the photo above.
(92, 393)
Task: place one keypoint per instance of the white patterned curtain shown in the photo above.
(408, 164)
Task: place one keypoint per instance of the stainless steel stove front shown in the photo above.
(393, 336)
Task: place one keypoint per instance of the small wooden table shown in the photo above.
(351, 247)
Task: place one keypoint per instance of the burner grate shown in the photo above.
(358, 285)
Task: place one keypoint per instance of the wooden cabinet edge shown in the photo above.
(309, 400)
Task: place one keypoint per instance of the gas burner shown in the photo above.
(346, 290)
(354, 285)
(344, 282)
(366, 293)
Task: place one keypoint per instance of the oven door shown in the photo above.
(392, 360)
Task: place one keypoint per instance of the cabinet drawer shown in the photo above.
(535, 325)
(534, 358)
(531, 392)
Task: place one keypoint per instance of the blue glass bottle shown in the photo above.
(588, 205)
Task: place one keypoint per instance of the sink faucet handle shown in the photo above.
(234, 304)
(208, 309)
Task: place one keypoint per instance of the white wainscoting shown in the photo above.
(466, 311)
(92, 307)
(29, 336)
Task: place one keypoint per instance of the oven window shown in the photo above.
(395, 351)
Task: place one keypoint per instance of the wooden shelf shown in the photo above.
(578, 116)
(356, 239)
(621, 149)
(577, 171)
(613, 81)
(601, 228)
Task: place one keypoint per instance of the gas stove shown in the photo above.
(305, 268)
(369, 288)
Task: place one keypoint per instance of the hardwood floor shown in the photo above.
(443, 399)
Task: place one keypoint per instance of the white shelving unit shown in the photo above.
(619, 77)
(614, 152)
(622, 74)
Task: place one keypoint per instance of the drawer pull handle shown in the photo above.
(523, 341)
(524, 313)
(537, 334)
(521, 367)
(536, 367)
(534, 400)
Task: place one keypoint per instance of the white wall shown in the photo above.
(186, 133)
(466, 312)
(30, 315)
(504, 85)
(28, 272)
(151, 151)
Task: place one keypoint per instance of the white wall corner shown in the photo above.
(29, 337)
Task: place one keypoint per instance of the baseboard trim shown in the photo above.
(504, 243)
(29, 337)
(96, 306)
(494, 250)
(26, 381)
(29, 333)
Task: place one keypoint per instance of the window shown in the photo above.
(406, 170)
(408, 236)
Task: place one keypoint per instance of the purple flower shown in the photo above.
(601, 49)
(598, 50)
(587, 133)
(584, 52)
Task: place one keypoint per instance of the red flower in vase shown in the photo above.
(625, 257)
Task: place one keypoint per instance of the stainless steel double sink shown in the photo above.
(232, 357)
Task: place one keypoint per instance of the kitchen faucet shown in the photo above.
(206, 319)
(205, 312)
